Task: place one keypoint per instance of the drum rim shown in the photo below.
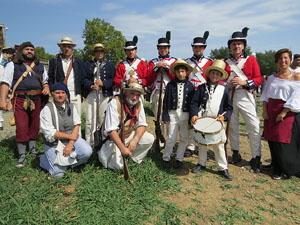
(215, 132)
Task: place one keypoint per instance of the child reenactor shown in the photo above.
(212, 100)
(176, 107)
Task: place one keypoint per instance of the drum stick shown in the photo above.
(214, 121)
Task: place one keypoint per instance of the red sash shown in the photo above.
(278, 131)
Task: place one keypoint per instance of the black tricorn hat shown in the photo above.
(131, 44)
(200, 41)
(239, 36)
(164, 41)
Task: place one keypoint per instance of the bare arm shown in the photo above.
(3, 93)
(138, 134)
(265, 111)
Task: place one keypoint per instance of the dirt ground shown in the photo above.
(249, 198)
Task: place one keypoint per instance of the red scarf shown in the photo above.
(133, 116)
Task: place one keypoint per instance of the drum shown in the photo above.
(208, 132)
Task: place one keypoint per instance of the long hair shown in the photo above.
(19, 58)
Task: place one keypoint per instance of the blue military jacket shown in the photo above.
(200, 99)
(107, 75)
(56, 73)
(171, 97)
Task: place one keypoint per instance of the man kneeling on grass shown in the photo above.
(60, 123)
(137, 141)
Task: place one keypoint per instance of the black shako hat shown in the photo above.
(200, 41)
(239, 36)
(164, 41)
(131, 44)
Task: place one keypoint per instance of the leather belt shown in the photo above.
(30, 92)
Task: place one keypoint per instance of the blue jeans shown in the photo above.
(82, 148)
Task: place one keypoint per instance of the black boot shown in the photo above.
(225, 174)
(236, 157)
(255, 164)
(198, 168)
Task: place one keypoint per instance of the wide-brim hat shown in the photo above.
(239, 36)
(135, 87)
(99, 47)
(218, 65)
(66, 41)
(181, 62)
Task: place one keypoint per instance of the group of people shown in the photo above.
(182, 92)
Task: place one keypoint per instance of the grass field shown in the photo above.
(94, 195)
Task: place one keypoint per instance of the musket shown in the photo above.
(228, 124)
(157, 122)
(122, 136)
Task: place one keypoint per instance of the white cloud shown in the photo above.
(221, 18)
(110, 6)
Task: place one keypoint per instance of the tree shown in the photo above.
(41, 53)
(266, 62)
(99, 31)
(224, 52)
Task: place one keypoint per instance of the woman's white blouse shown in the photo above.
(285, 90)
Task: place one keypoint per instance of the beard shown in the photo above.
(29, 57)
(131, 102)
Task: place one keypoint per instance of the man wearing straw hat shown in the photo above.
(68, 69)
(197, 77)
(132, 69)
(99, 89)
(137, 141)
(244, 77)
(27, 77)
(212, 100)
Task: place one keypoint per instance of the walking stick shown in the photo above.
(122, 135)
(228, 125)
(157, 122)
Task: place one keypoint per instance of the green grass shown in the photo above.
(30, 196)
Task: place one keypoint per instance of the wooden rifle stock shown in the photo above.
(157, 122)
(122, 135)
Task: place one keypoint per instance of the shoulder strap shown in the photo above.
(21, 78)
(237, 69)
(69, 71)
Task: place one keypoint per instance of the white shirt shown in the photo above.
(112, 118)
(285, 90)
(71, 79)
(47, 125)
(9, 74)
(297, 70)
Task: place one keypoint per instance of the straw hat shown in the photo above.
(135, 87)
(218, 65)
(99, 47)
(181, 62)
(66, 41)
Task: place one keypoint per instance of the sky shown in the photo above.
(274, 24)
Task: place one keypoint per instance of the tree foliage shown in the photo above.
(224, 52)
(41, 53)
(99, 31)
(266, 62)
